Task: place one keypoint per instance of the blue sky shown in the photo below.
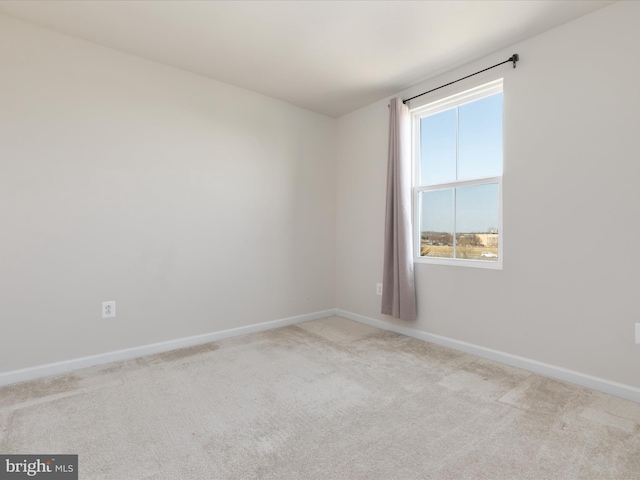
(477, 209)
(479, 155)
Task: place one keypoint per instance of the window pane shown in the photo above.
(438, 147)
(436, 223)
(480, 125)
(477, 222)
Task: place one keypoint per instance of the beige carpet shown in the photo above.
(329, 399)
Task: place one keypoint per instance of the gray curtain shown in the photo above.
(398, 290)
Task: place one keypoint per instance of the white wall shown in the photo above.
(568, 293)
(196, 205)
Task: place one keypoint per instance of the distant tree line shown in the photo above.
(445, 238)
(437, 238)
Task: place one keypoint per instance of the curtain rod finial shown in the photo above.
(514, 58)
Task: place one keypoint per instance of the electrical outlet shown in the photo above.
(637, 332)
(378, 289)
(109, 309)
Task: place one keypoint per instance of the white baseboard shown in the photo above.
(65, 366)
(612, 388)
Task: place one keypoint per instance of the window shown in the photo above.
(458, 178)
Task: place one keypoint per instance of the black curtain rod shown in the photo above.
(514, 58)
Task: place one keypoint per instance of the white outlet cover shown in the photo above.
(378, 288)
(109, 309)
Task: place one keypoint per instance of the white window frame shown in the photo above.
(431, 108)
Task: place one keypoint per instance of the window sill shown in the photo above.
(457, 262)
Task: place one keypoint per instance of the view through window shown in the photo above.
(458, 177)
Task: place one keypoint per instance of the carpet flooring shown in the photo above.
(327, 399)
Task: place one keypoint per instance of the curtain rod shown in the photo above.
(513, 58)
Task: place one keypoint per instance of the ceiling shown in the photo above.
(330, 57)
